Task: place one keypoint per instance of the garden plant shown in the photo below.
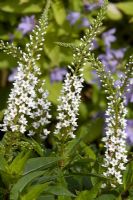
(44, 153)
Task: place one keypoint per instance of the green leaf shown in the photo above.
(128, 176)
(47, 197)
(113, 12)
(59, 191)
(22, 183)
(126, 7)
(83, 195)
(88, 130)
(89, 194)
(18, 164)
(87, 73)
(88, 151)
(34, 192)
(59, 11)
(106, 197)
(64, 198)
(41, 163)
(17, 7)
(54, 90)
(71, 146)
(37, 147)
(77, 5)
(3, 164)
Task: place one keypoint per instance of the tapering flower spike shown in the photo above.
(28, 107)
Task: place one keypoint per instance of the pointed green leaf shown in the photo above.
(34, 192)
(128, 176)
(3, 164)
(106, 197)
(41, 163)
(89, 194)
(48, 197)
(60, 191)
(22, 183)
(18, 164)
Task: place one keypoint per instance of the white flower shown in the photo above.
(25, 111)
(69, 105)
(115, 142)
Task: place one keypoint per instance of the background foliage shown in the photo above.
(91, 118)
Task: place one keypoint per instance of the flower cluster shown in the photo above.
(69, 105)
(115, 140)
(28, 107)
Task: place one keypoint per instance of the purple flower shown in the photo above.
(11, 37)
(109, 61)
(95, 79)
(90, 6)
(58, 74)
(85, 22)
(72, 17)
(108, 37)
(101, 2)
(129, 94)
(94, 44)
(27, 24)
(119, 53)
(118, 83)
(12, 75)
(111, 58)
(129, 131)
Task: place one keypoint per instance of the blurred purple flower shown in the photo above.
(27, 24)
(90, 6)
(94, 45)
(11, 37)
(119, 53)
(109, 61)
(108, 37)
(72, 17)
(129, 131)
(118, 83)
(11, 77)
(85, 22)
(95, 79)
(129, 94)
(111, 58)
(101, 2)
(120, 76)
(58, 74)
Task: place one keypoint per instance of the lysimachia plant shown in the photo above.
(69, 170)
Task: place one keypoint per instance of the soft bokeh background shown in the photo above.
(68, 21)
